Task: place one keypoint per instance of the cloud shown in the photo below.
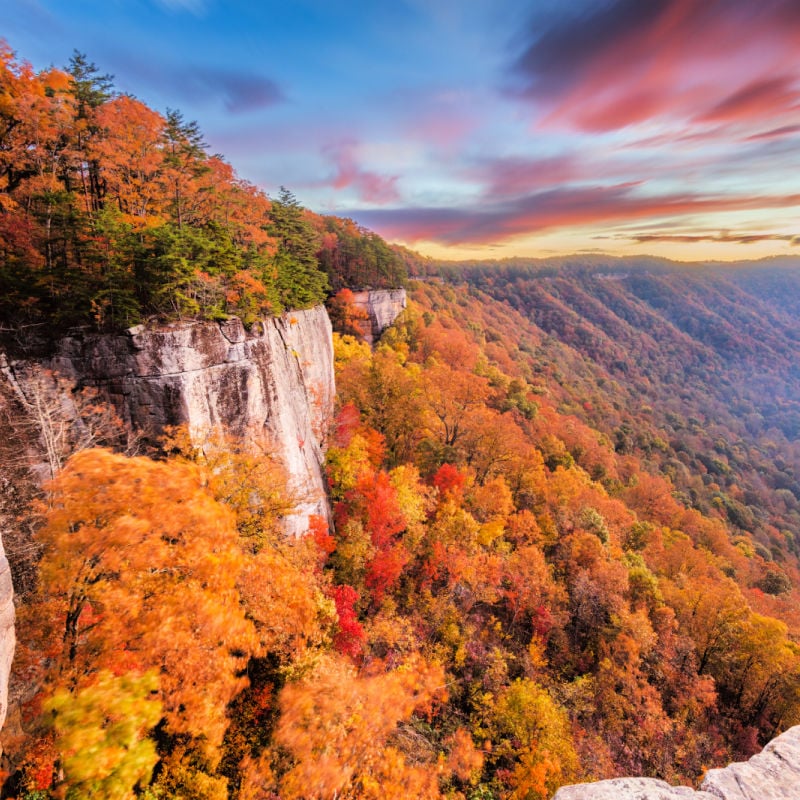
(370, 186)
(628, 61)
(239, 92)
(724, 237)
(196, 7)
(508, 177)
(762, 97)
(775, 133)
(492, 223)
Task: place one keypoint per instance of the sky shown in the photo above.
(478, 128)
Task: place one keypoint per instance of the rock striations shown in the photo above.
(276, 380)
(383, 306)
(773, 774)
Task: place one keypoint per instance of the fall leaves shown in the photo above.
(159, 613)
(113, 212)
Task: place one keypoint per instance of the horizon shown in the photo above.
(612, 128)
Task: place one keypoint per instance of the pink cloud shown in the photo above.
(724, 237)
(762, 98)
(507, 177)
(547, 210)
(630, 61)
(775, 133)
(370, 186)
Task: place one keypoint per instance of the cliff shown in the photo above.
(276, 379)
(382, 307)
(772, 774)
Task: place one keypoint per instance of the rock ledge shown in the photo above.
(772, 774)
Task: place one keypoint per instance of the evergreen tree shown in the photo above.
(299, 280)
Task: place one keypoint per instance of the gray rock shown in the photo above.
(629, 789)
(275, 380)
(773, 774)
(383, 306)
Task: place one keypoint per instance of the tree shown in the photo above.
(64, 419)
(101, 732)
(139, 572)
(337, 727)
(184, 155)
(299, 281)
(532, 732)
(129, 153)
(90, 90)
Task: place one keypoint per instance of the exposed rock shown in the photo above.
(276, 379)
(772, 774)
(7, 636)
(383, 306)
(629, 789)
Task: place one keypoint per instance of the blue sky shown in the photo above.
(478, 128)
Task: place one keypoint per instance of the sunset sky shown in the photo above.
(478, 128)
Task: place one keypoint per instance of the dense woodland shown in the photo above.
(113, 213)
(565, 507)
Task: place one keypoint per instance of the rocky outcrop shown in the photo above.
(629, 789)
(383, 307)
(772, 774)
(7, 635)
(276, 379)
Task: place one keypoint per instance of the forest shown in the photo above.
(565, 512)
(113, 214)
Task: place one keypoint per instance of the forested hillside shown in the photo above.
(693, 370)
(113, 213)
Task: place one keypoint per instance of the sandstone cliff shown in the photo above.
(773, 774)
(276, 379)
(382, 306)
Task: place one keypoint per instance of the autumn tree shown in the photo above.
(299, 282)
(338, 729)
(139, 573)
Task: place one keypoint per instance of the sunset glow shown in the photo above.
(478, 129)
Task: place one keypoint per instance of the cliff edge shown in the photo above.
(772, 774)
(382, 307)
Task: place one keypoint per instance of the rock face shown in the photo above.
(7, 636)
(383, 306)
(276, 379)
(772, 774)
(629, 789)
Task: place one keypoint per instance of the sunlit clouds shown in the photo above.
(669, 127)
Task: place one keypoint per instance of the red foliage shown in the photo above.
(384, 517)
(345, 425)
(542, 621)
(449, 481)
(384, 570)
(350, 638)
(318, 529)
